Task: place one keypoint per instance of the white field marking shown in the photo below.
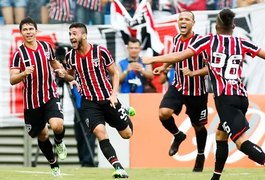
(41, 172)
(204, 173)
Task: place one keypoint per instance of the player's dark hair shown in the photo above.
(27, 20)
(79, 25)
(134, 40)
(225, 18)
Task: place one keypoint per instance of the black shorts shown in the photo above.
(196, 106)
(36, 119)
(232, 111)
(94, 113)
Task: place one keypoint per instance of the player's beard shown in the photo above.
(79, 45)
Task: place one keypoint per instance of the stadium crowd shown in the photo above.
(98, 11)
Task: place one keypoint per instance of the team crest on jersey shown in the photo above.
(47, 54)
(28, 127)
(95, 62)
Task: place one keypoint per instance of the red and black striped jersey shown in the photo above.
(61, 10)
(92, 72)
(189, 86)
(90, 4)
(225, 62)
(40, 86)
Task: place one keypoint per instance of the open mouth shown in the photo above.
(183, 28)
(74, 42)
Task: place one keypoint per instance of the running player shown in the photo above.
(94, 65)
(32, 64)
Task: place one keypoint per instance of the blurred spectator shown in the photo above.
(244, 3)
(130, 6)
(1, 18)
(162, 8)
(190, 5)
(13, 10)
(38, 10)
(220, 4)
(134, 75)
(61, 11)
(90, 11)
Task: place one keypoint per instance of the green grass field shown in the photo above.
(76, 173)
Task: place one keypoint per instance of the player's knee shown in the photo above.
(57, 126)
(198, 128)
(43, 136)
(240, 141)
(164, 114)
(126, 134)
(221, 136)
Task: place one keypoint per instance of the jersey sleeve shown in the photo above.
(52, 54)
(15, 61)
(249, 48)
(200, 44)
(105, 54)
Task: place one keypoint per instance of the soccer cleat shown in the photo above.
(120, 173)
(61, 150)
(56, 171)
(199, 163)
(177, 141)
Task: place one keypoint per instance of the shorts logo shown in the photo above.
(28, 127)
(87, 122)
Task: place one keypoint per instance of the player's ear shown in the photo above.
(84, 36)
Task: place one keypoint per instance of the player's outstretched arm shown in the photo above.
(169, 58)
(261, 54)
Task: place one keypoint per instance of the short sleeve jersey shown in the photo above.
(189, 86)
(92, 72)
(40, 86)
(225, 62)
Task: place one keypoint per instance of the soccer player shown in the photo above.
(227, 54)
(32, 64)
(94, 65)
(186, 90)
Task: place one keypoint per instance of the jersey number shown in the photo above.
(123, 114)
(233, 63)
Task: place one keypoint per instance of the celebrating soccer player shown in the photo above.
(33, 63)
(227, 54)
(93, 64)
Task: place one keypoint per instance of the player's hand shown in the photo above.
(113, 101)
(187, 72)
(158, 70)
(60, 72)
(29, 70)
(74, 83)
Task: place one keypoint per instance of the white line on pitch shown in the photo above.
(41, 172)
